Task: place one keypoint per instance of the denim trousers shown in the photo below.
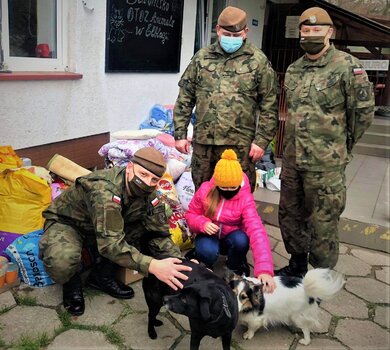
(235, 245)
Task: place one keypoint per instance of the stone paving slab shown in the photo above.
(7, 300)
(346, 305)
(382, 316)
(27, 321)
(351, 266)
(81, 339)
(365, 335)
(48, 296)
(96, 311)
(320, 344)
(371, 257)
(133, 329)
(369, 289)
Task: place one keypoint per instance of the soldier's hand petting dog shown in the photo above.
(268, 282)
(168, 271)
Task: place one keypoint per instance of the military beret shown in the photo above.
(151, 159)
(315, 16)
(232, 19)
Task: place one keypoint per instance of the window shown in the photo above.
(33, 35)
(206, 19)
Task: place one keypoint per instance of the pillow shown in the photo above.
(135, 134)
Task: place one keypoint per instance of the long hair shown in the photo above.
(212, 201)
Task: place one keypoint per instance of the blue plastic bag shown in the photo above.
(160, 118)
(24, 251)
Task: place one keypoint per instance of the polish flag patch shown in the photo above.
(154, 202)
(358, 71)
(116, 199)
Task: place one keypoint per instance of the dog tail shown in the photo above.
(322, 284)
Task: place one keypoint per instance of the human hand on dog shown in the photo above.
(268, 282)
(168, 271)
(210, 228)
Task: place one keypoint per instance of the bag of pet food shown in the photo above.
(24, 251)
(185, 189)
(178, 227)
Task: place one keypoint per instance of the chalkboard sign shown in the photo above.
(143, 35)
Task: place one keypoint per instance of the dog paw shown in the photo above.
(158, 323)
(248, 335)
(304, 341)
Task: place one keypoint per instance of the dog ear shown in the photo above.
(229, 275)
(256, 295)
(204, 307)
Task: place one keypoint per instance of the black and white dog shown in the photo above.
(206, 299)
(295, 300)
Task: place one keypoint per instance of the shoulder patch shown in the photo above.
(116, 199)
(155, 201)
(362, 94)
(358, 71)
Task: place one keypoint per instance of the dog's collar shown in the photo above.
(225, 311)
(225, 306)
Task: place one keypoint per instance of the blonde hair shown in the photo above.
(212, 200)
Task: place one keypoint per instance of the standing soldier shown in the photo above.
(234, 89)
(116, 210)
(330, 105)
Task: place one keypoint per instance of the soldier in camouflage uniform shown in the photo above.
(118, 211)
(234, 89)
(330, 105)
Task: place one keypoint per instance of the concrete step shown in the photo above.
(376, 138)
(380, 125)
(372, 150)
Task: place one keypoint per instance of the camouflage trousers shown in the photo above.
(205, 157)
(61, 249)
(309, 211)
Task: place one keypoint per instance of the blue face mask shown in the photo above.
(231, 44)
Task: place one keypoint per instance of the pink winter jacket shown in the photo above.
(238, 213)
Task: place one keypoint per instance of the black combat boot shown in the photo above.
(102, 277)
(72, 296)
(297, 266)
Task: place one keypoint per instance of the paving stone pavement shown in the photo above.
(357, 318)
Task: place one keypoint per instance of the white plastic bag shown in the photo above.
(185, 189)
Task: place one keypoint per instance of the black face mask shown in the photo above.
(138, 188)
(228, 194)
(312, 44)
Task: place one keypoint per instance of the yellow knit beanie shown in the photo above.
(228, 171)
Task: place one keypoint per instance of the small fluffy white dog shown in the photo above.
(295, 300)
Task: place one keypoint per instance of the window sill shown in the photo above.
(15, 76)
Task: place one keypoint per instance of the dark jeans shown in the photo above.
(235, 246)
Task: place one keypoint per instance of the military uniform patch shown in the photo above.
(116, 199)
(162, 218)
(358, 71)
(362, 94)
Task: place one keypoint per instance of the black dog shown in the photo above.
(206, 299)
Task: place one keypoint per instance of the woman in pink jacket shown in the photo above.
(224, 217)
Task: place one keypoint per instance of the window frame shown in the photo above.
(33, 63)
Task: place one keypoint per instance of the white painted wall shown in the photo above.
(40, 112)
(255, 10)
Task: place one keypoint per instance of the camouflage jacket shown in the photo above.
(98, 206)
(233, 94)
(330, 105)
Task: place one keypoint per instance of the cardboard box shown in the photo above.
(128, 276)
